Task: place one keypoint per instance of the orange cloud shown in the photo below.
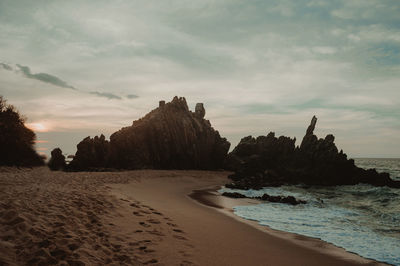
(39, 127)
(41, 141)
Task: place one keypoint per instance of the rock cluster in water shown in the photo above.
(276, 199)
(169, 137)
(271, 161)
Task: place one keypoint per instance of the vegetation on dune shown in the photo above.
(16, 140)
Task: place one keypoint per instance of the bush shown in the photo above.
(16, 140)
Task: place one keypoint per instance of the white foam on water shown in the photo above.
(362, 219)
(329, 215)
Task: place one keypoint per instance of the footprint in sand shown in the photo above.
(184, 253)
(144, 224)
(137, 214)
(171, 224)
(158, 213)
(178, 230)
(185, 263)
(155, 232)
(134, 205)
(154, 221)
(179, 237)
(73, 246)
(152, 261)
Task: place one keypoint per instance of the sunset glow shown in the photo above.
(38, 127)
(41, 141)
(97, 71)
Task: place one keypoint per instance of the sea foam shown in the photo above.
(362, 219)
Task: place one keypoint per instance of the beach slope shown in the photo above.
(139, 217)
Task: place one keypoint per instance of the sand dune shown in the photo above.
(133, 218)
(68, 219)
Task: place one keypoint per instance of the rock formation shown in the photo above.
(271, 161)
(57, 160)
(169, 137)
(199, 110)
(16, 140)
(92, 154)
(234, 195)
(275, 199)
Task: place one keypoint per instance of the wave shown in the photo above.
(362, 219)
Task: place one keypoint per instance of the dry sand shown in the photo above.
(139, 217)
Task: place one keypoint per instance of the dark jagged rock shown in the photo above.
(169, 137)
(270, 161)
(57, 160)
(199, 110)
(281, 199)
(276, 199)
(16, 140)
(92, 154)
(234, 195)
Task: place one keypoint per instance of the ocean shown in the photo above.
(362, 219)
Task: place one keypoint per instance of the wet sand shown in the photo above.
(216, 235)
(140, 217)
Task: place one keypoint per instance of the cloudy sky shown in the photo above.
(79, 68)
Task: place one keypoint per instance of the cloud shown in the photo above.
(53, 80)
(258, 66)
(107, 95)
(132, 96)
(44, 77)
(324, 50)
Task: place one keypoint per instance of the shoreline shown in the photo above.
(211, 198)
(141, 217)
(192, 202)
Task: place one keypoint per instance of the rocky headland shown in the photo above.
(173, 137)
(169, 137)
(271, 161)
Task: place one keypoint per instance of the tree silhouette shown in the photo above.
(16, 140)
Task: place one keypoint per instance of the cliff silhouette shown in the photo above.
(271, 161)
(169, 137)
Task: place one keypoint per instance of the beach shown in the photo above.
(155, 217)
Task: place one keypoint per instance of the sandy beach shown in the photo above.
(140, 217)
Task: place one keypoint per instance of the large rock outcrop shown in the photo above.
(16, 140)
(92, 154)
(169, 137)
(271, 161)
(57, 160)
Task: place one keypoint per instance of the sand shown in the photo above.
(140, 217)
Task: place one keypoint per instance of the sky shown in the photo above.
(82, 68)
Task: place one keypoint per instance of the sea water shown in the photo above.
(362, 219)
